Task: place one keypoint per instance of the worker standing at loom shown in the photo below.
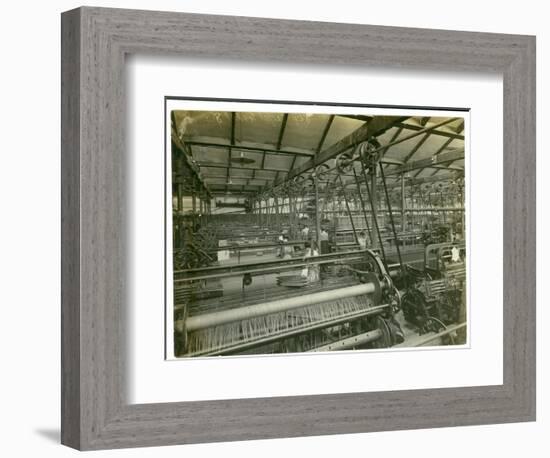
(323, 239)
(311, 271)
(305, 232)
(324, 246)
(286, 249)
(280, 241)
(362, 240)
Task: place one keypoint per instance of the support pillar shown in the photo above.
(179, 197)
(178, 238)
(317, 213)
(194, 196)
(277, 219)
(403, 225)
(374, 200)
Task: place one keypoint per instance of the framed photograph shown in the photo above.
(283, 228)
(271, 215)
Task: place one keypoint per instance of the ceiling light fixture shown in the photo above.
(242, 160)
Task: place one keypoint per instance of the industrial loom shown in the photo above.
(352, 308)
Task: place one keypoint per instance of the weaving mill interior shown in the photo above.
(296, 232)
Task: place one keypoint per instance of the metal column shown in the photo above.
(317, 214)
(180, 197)
(348, 209)
(362, 203)
(194, 196)
(403, 225)
(374, 201)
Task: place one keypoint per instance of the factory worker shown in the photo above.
(311, 271)
(305, 232)
(280, 241)
(286, 250)
(362, 240)
(323, 239)
(455, 254)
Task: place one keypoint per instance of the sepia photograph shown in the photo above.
(296, 228)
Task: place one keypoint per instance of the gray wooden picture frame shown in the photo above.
(95, 413)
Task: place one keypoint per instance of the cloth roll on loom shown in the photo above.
(237, 329)
(281, 305)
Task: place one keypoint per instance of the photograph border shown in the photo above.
(168, 282)
(95, 41)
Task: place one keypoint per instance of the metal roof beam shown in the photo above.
(357, 117)
(416, 147)
(233, 117)
(391, 161)
(250, 148)
(236, 177)
(440, 150)
(441, 133)
(408, 137)
(216, 165)
(282, 131)
(413, 181)
(377, 126)
(431, 161)
(325, 133)
(293, 163)
(393, 138)
(383, 159)
(187, 155)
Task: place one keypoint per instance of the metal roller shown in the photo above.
(199, 322)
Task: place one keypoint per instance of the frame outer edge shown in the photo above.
(91, 415)
(70, 229)
(519, 233)
(527, 75)
(532, 122)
